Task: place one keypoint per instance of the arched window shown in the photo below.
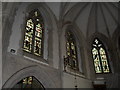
(29, 82)
(33, 41)
(101, 63)
(71, 60)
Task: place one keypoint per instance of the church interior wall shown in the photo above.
(49, 69)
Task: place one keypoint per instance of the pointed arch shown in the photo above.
(29, 82)
(75, 38)
(38, 72)
(100, 59)
(33, 40)
(80, 47)
(71, 50)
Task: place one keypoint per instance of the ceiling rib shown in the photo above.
(111, 14)
(80, 11)
(104, 20)
(96, 9)
(92, 8)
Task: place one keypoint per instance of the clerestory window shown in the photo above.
(33, 40)
(100, 58)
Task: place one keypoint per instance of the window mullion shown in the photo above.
(33, 41)
(100, 60)
(33, 38)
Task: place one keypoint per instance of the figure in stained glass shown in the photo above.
(100, 57)
(29, 82)
(71, 51)
(34, 33)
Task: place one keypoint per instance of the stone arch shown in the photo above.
(100, 36)
(50, 22)
(18, 30)
(80, 41)
(47, 16)
(41, 75)
(108, 46)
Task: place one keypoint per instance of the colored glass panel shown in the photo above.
(96, 61)
(99, 57)
(29, 82)
(37, 46)
(71, 50)
(34, 33)
(104, 60)
(28, 35)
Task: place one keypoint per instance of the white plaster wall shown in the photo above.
(22, 67)
(16, 35)
(16, 28)
(69, 81)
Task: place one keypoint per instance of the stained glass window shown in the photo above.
(34, 33)
(71, 50)
(100, 58)
(29, 82)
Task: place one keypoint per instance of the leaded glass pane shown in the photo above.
(100, 58)
(30, 24)
(34, 33)
(38, 40)
(38, 32)
(96, 61)
(28, 35)
(104, 60)
(29, 82)
(28, 43)
(71, 51)
(37, 46)
(36, 13)
(68, 49)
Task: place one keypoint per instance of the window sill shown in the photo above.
(35, 58)
(74, 72)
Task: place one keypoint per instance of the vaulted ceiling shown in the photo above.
(90, 17)
(93, 17)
